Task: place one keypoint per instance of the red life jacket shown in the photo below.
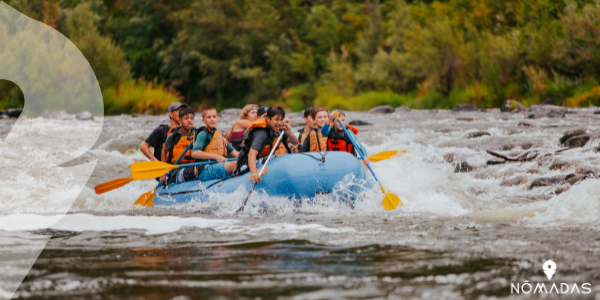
(339, 142)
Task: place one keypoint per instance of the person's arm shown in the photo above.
(243, 124)
(326, 130)
(291, 137)
(232, 151)
(154, 139)
(252, 165)
(146, 151)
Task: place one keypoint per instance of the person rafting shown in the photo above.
(235, 134)
(315, 140)
(159, 135)
(261, 138)
(262, 112)
(337, 140)
(310, 125)
(178, 141)
(209, 144)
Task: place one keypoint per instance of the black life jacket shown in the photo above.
(339, 141)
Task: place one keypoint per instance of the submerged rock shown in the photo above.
(383, 109)
(515, 181)
(84, 116)
(547, 181)
(547, 114)
(402, 108)
(496, 161)
(572, 179)
(512, 106)
(359, 123)
(477, 134)
(571, 133)
(524, 124)
(527, 146)
(597, 112)
(463, 167)
(449, 157)
(559, 165)
(465, 107)
(578, 141)
(546, 111)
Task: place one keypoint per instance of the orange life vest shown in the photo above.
(180, 143)
(218, 144)
(318, 142)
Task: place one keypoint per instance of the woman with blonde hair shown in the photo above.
(235, 134)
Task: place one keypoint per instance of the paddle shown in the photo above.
(390, 201)
(259, 174)
(112, 185)
(384, 155)
(147, 198)
(152, 169)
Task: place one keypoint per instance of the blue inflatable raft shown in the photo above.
(295, 176)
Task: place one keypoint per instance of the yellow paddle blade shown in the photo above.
(390, 201)
(384, 155)
(112, 185)
(150, 169)
(146, 199)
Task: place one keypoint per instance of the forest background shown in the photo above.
(349, 54)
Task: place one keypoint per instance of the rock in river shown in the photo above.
(578, 141)
(465, 107)
(547, 181)
(12, 112)
(383, 109)
(463, 167)
(571, 133)
(402, 108)
(512, 106)
(359, 123)
(477, 134)
(84, 116)
(496, 161)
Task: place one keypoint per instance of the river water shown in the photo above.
(459, 235)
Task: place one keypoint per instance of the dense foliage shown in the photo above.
(352, 54)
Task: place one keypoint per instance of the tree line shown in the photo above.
(350, 54)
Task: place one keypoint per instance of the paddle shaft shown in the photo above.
(259, 174)
(202, 163)
(358, 150)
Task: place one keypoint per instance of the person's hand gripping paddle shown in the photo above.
(390, 201)
(260, 173)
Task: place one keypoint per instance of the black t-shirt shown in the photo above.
(258, 139)
(157, 138)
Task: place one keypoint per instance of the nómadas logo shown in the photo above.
(549, 268)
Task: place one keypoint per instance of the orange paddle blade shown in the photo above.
(111, 185)
(146, 199)
(390, 201)
(384, 155)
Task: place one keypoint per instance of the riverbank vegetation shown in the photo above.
(352, 54)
